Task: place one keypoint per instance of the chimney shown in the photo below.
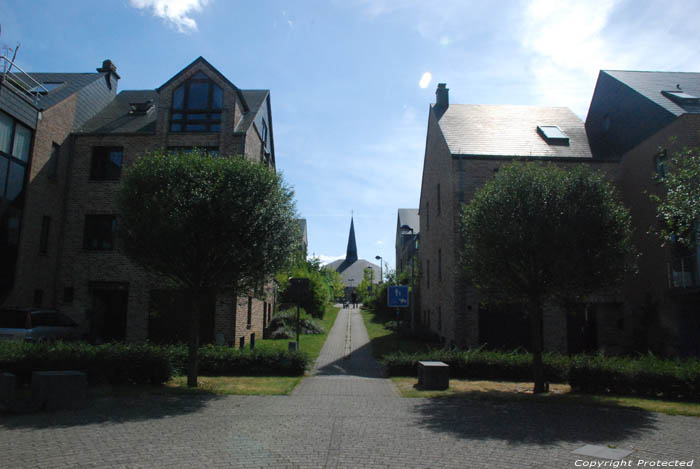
(442, 96)
(109, 67)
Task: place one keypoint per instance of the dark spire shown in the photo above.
(351, 255)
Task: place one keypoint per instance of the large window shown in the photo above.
(197, 105)
(99, 232)
(15, 141)
(106, 163)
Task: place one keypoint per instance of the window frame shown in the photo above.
(91, 231)
(100, 170)
(208, 121)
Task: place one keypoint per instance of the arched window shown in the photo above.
(197, 106)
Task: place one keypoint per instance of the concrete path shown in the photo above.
(346, 415)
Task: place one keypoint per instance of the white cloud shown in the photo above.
(326, 259)
(425, 80)
(176, 12)
(380, 242)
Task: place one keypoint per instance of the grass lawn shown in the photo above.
(311, 344)
(207, 385)
(559, 393)
(385, 339)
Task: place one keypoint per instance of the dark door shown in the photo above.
(109, 309)
(581, 329)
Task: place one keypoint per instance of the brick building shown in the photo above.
(642, 118)
(406, 238)
(465, 146)
(84, 134)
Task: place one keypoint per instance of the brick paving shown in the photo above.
(345, 415)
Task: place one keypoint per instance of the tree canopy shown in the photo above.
(538, 233)
(678, 209)
(206, 223)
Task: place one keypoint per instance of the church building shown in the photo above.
(352, 269)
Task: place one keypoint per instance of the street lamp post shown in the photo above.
(413, 253)
(381, 268)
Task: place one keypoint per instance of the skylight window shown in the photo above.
(44, 88)
(680, 97)
(553, 135)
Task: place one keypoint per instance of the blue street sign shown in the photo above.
(398, 296)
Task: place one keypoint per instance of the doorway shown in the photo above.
(107, 318)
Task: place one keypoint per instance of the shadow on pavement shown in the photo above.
(359, 363)
(112, 409)
(531, 422)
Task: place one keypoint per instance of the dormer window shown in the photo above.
(197, 105)
(140, 108)
(679, 97)
(45, 88)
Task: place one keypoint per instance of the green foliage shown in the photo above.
(325, 286)
(145, 363)
(645, 375)
(227, 361)
(106, 363)
(539, 231)
(283, 325)
(480, 364)
(365, 289)
(678, 209)
(206, 222)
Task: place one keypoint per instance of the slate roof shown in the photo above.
(511, 131)
(255, 100)
(354, 270)
(410, 217)
(116, 116)
(72, 82)
(651, 84)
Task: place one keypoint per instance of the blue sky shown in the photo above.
(351, 80)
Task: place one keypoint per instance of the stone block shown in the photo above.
(433, 375)
(8, 386)
(59, 389)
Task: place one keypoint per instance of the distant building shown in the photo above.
(352, 269)
(406, 239)
(64, 140)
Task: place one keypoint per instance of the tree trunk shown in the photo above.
(194, 341)
(537, 345)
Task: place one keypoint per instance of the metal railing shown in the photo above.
(12, 76)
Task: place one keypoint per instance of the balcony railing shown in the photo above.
(12, 76)
(683, 272)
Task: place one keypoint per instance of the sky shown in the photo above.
(351, 81)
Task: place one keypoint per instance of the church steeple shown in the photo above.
(351, 255)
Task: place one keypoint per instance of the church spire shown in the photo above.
(351, 255)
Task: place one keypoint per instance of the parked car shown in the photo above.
(36, 324)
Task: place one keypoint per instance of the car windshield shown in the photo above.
(12, 319)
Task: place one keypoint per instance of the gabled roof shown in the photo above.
(70, 83)
(511, 131)
(117, 118)
(410, 217)
(354, 270)
(255, 100)
(202, 60)
(651, 85)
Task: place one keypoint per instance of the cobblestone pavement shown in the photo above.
(346, 415)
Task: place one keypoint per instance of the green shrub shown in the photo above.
(283, 325)
(479, 364)
(226, 361)
(647, 376)
(106, 363)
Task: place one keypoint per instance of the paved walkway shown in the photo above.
(346, 415)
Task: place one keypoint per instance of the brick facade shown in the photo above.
(81, 281)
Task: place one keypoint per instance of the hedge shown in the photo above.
(106, 363)
(144, 363)
(647, 375)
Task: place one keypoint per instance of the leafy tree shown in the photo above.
(366, 287)
(318, 295)
(679, 208)
(538, 233)
(207, 224)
